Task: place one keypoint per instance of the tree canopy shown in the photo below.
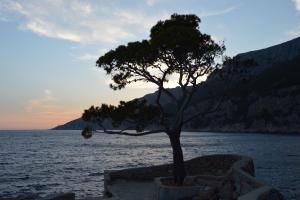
(176, 45)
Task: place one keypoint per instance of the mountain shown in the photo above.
(270, 56)
(76, 124)
(79, 124)
(263, 98)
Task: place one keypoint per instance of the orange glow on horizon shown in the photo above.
(37, 120)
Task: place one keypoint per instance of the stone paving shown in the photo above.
(132, 190)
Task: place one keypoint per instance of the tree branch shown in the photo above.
(129, 134)
(206, 112)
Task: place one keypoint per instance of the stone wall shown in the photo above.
(220, 176)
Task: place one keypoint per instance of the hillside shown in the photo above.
(76, 124)
(264, 98)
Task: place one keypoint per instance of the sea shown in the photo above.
(51, 161)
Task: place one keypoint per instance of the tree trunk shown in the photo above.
(178, 162)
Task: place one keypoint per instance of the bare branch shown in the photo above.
(222, 99)
(129, 134)
(206, 112)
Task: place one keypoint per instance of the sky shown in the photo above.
(48, 48)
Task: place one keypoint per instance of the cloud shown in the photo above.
(3, 19)
(217, 12)
(87, 57)
(47, 29)
(294, 32)
(87, 22)
(151, 2)
(83, 8)
(90, 56)
(78, 21)
(44, 103)
(297, 4)
(47, 110)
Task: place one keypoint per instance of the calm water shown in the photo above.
(58, 161)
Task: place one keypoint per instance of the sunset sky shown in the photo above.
(48, 48)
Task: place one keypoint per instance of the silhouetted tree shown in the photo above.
(176, 47)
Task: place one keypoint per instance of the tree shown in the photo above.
(176, 47)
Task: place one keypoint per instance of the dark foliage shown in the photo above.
(136, 112)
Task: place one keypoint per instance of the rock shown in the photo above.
(208, 193)
(245, 188)
(227, 190)
(61, 196)
(272, 195)
(219, 172)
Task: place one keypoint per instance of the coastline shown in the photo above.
(244, 131)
